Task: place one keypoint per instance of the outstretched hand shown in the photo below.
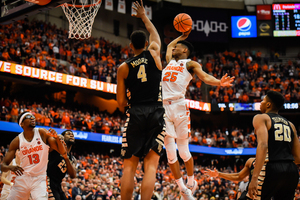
(186, 34)
(211, 173)
(226, 80)
(139, 8)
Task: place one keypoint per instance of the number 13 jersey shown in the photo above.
(175, 79)
(33, 154)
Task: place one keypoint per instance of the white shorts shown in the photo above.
(4, 194)
(177, 118)
(29, 186)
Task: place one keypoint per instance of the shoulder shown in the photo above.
(261, 117)
(193, 65)
(123, 68)
(249, 162)
(15, 143)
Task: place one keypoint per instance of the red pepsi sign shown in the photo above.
(243, 26)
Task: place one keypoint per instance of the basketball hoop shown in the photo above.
(81, 17)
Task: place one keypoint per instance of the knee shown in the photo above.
(184, 153)
(171, 154)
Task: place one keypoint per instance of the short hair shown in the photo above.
(188, 45)
(138, 39)
(18, 120)
(276, 98)
(63, 133)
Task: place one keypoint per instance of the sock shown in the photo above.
(180, 184)
(190, 181)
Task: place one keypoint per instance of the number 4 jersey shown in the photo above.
(144, 80)
(175, 79)
(33, 154)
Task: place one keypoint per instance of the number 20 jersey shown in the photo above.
(175, 79)
(33, 154)
(280, 140)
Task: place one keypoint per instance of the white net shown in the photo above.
(81, 18)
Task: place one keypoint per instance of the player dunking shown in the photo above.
(143, 137)
(8, 178)
(59, 165)
(33, 145)
(176, 76)
(275, 173)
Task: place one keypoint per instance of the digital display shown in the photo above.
(251, 106)
(243, 27)
(286, 20)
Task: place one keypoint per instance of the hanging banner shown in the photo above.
(122, 6)
(209, 25)
(148, 11)
(133, 12)
(109, 5)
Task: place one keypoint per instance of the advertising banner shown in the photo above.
(263, 12)
(113, 139)
(243, 27)
(264, 29)
(209, 25)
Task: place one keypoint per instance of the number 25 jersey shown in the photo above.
(33, 154)
(175, 79)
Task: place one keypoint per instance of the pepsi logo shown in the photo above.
(244, 24)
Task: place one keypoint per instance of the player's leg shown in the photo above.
(21, 189)
(127, 180)
(39, 188)
(150, 167)
(182, 126)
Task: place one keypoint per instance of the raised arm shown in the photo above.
(296, 145)
(172, 44)
(53, 140)
(154, 38)
(208, 79)
(122, 74)
(261, 131)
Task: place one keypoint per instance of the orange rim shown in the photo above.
(80, 6)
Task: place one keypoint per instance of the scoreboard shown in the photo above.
(286, 20)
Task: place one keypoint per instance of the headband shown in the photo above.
(23, 116)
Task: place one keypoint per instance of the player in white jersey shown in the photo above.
(8, 178)
(33, 144)
(175, 78)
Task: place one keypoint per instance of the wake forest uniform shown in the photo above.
(279, 175)
(244, 195)
(57, 169)
(34, 159)
(175, 80)
(144, 127)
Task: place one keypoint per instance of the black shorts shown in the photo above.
(280, 181)
(244, 196)
(144, 130)
(55, 190)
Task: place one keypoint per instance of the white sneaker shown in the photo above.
(194, 187)
(186, 195)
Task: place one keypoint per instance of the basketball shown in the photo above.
(183, 22)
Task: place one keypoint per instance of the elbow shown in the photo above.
(73, 175)
(122, 103)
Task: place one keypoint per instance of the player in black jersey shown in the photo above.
(246, 171)
(140, 78)
(59, 165)
(275, 173)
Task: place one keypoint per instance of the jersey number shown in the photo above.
(173, 76)
(282, 133)
(62, 166)
(142, 73)
(34, 159)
